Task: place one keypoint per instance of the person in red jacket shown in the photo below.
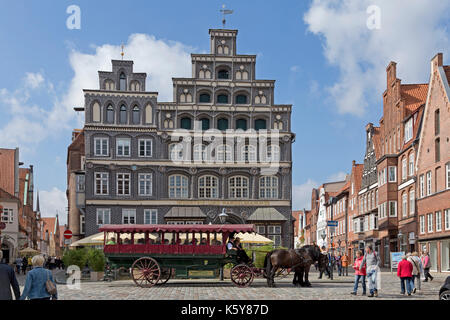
(359, 274)
(404, 272)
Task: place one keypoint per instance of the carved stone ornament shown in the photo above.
(112, 166)
(286, 138)
(254, 171)
(162, 169)
(223, 171)
(90, 165)
(285, 171)
(193, 170)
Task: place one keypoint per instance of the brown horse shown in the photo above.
(316, 256)
(281, 258)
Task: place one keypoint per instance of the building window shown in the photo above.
(224, 153)
(185, 97)
(145, 184)
(238, 187)
(428, 183)
(408, 130)
(261, 230)
(438, 221)
(145, 147)
(422, 186)
(436, 122)
(404, 168)
(110, 114)
(101, 183)
(223, 74)
(135, 86)
(204, 98)
(273, 153)
(222, 98)
(411, 164)
(150, 216)
(404, 204)
(123, 115)
(222, 124)
(422, 224)
(128, 216)
(260, 124)
(205, 124)
(103, 216)
(241, 99)
(81, 185)
(392, 174)
(437, 150)
(176, 151)
(249, 153)
(200, 152)
(268, 187)
(208, 187)
(7, 215)
(241, 124)
(392, 208)
(447, 219)
(274, 234)
(412, 202)
(123, 147)
(186, 123)
(123, 82)
(123, 184)
(136, 115)
(101, 147)
(430, 222)
(447, 175)
(178, 186)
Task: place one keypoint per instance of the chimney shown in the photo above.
(353, 163)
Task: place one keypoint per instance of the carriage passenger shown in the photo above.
(111, 242)
(203, 242)
(127, 241)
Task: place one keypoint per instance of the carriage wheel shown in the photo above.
(166, 274)
(145, 272)
(242, 275)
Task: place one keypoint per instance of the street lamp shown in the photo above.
(400, 237)
(223, 216)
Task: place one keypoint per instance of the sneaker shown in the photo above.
(414, 290)
(363, 294)
(431, 279)
(409, 294)
(370, 295)
(402, 293)
(375, 293)
(353, 293)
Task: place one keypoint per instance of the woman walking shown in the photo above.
(39, 281)
(426, 266)
(417, 270)
(404, 272)
(360, 274)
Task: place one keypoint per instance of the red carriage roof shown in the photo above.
(178, 228)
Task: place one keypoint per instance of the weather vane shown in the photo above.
(122, 53)
(225, 12)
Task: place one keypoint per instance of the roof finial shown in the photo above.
(225, 12)
(122, 53)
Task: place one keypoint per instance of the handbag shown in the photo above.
(50, 286)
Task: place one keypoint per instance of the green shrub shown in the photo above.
(96, 260)
(77, 257)
(260, 254)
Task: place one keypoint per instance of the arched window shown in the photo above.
(186, 97)
(123, 115)
(96, 112)
(136, 115)
(200, 152)
(273, 153)
(205, 98)
(176, 152)
(148, 113)
(135, 86)
(241, 124)
(222, 124)
(208, 187)
(260, 124)
(186, 123)
(109, 85)
(223, 153)
(222, 98)
(268, 187)
(123, 82)
(205, 123)
(223, 74)
(110, 114)
(249, 153)
(241, 99)
(178, 186)
(238, 187)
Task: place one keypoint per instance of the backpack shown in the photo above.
(50, 286)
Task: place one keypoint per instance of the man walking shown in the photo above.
(426, 266)
(7, 280)
(372, 262)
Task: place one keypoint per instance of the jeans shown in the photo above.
(409, 284)
(372, 279)
(339, 269)
(345, 271)
(418, 286)
(427, 274)
(363, 282)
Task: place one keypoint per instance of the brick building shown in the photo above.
(353, 208)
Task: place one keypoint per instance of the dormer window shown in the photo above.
(123, 82)
(223, 74)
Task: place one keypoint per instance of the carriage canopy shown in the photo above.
(204, 228)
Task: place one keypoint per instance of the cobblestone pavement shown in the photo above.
(339, 288)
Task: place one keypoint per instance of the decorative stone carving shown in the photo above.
(254, 171)
(193, 170)
(162, 169)
(285, 171)
(223, 171)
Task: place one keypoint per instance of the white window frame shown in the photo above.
(429, 222)
(105, 214)
(145, 182)
(249, 153)
(408, 130)
(412, 202)
(447, 219)
(273, 153)
(123, 145)
(146, 147)
(392, 170)
(422, 224)
(238, 185)
(429, 183)
(405, 204)
(268, 187)
(395, 208)
(422, 186)
(199, 153)
(208, 187)
(438, 216)
(224, 153)
(103, 145)
(124, 178)
(404, 169)
(178, 190)
(103, 179)
(411, 164)
(129, 214)
(176, 152)
(150, 216)
(447, 176)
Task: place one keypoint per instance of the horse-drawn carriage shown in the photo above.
(156, 253)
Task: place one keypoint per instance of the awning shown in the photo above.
(91, 241)
(184, 212)
(178, 228)
(266, 214)
(253, 238)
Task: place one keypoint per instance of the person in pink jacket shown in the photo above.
(404, 272)
(359, 274)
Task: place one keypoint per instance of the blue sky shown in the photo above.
(325, 59)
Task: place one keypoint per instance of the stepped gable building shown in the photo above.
(353, 209)
(146, 161)
(433, 169)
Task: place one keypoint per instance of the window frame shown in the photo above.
(183, 187)
(104, 212)
(272, 189)
(120, 143)
(146, 148)
(203, 187)
(242, 188)
(101, 140)
(147, 179)
(124, 180)
(128, 214)
(103, 176)
(152, 216)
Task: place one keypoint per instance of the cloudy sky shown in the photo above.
(328, 59)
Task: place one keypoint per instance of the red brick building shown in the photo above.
(353, 207)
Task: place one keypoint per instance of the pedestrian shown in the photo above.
(404, 272)
(426, 266)
(29, 263)
(18, 265)
(328, 268)
(360, 274)
(24, 265)
(337, 259)
(417, 270)
(371, 261)
(36, 282)
(344, 263)
(8, 280)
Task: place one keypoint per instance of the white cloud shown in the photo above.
(301, 195)
(411, 34)
(53, 202)
(34, 80)
(295, 69)
(338, 176)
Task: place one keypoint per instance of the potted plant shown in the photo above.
(96, 261)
